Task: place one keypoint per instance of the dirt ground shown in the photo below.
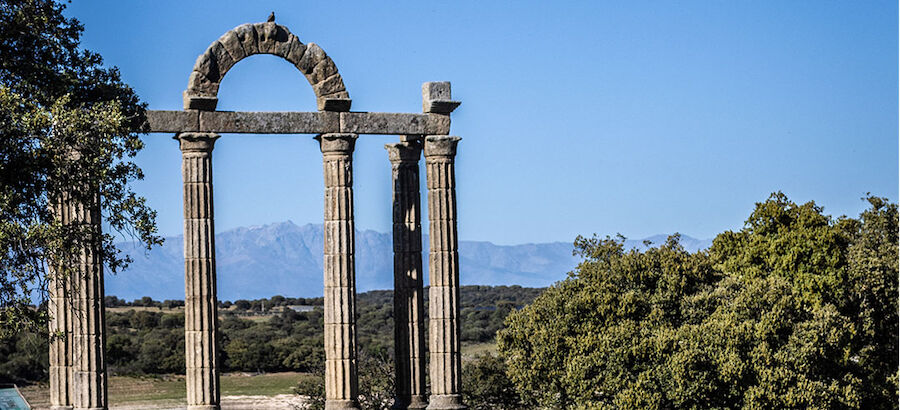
(239, 391)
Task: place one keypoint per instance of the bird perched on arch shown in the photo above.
(271, 17)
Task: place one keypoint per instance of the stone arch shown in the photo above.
(264, 38)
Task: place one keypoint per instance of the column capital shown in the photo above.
(337, 143)
(441, 146)
(196, 141)
(404, 151)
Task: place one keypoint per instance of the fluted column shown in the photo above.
(341, 387)
(409, 306)
(88, 316)
(200, 321)
(443, 293)
(60, 326)
(60, 342)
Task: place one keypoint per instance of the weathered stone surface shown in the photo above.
(337, 102)
(269, 122)
(268, 38)
(193, 101)
(200, 322)
(223, 60)
(341, 382)
(436, 90)
(322, 71)
(173, 121)
(298, 122)
(201, 85)
(436, 98)
(443, 295)
(387, 123)
(409, 304)
(313, 55)
(233, 46)
(246, 33)
(441, 106)
(330, 85)
(61, 337)
(207, 65)
(283, 48)
(88, 320)
(295, 54)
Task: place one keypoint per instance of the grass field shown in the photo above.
(469, 351)
(170, 390)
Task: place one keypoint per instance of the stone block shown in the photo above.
(295, 54)
(283, 48)
(436, 90)
(269, 122)
(246, 33)
(313, 55)
(193, 101)
(340, 103)
(330, 85)
(233, 46)
(383, 123)
(322, 71)
(267, 36)
(437, 124)
(200, 84)
(173, 121)
(436, 98)
(223, 60)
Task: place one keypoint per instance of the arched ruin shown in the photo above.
(78, 372)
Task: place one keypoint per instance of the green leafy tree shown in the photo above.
(795, 310)
(69, 128)
(485, 385)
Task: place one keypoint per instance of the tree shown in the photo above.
(795, 310)
(69, 129)
(485, 385)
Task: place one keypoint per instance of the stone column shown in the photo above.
(88, 316)
(443, 294)
(60, 342)
(409, 306)
(200, 321)
(341, 387)
(60, 327)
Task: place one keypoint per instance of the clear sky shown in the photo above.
(577, 117)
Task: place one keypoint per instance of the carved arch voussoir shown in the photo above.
(264, 38)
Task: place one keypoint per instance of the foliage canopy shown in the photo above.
(69, 128)
(795, 310)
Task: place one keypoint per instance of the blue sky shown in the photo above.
(576, 117)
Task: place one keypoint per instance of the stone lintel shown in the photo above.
(394, 123)
(324, 122)
(269, 122)
(173, 121)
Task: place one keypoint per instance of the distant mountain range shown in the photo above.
(284, 258)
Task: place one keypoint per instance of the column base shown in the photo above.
(62, 408)
(415, 402)
(341, 404)
(445, 402)
(203, 407)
